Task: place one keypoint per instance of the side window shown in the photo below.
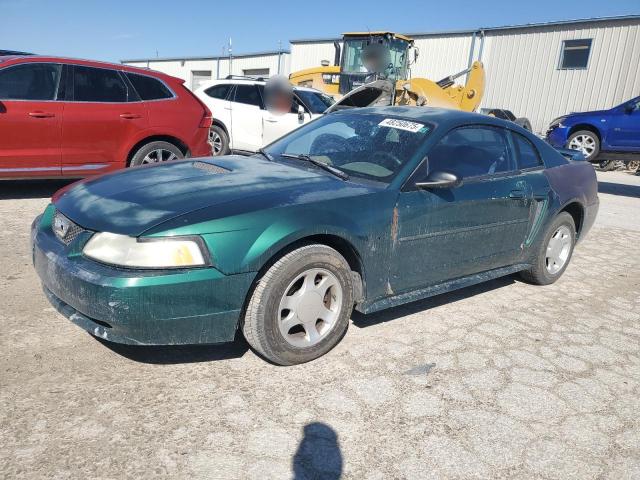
(472, 152)
(248, 94)
(219, 91)
(528, 156)
(149, 88)
(30, 81)
(98, 85)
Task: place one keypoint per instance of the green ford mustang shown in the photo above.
(366, 208)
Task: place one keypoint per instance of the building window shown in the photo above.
(575, 53)
(256, 72)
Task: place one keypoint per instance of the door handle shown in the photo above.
(270, 120)
(40, 114)
(129, 116)
(516, 194)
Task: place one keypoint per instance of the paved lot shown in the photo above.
(503, 380)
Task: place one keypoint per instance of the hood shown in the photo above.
(133, 201)
(376, 93)
(584, 114)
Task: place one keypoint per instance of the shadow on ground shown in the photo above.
(619, 189)
(318, 455)
(16, 189)
(361, 320)
(175, 354)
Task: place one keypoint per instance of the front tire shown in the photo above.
(219, 141)
(585, 141)
(300, 307)
(553, 252)
(156, 152)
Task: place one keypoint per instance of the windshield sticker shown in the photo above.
(403, 125)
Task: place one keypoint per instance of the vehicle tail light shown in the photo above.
(207, 117)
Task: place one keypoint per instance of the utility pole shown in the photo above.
(279, 54)
(230, 57)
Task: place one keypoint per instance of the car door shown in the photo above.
(275, 125)
(246, 118)
(31, 119)
(102, 117)
(447, 233)
(624, 127)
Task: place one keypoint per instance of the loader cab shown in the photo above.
(367, 57)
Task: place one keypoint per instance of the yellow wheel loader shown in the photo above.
(386, 56)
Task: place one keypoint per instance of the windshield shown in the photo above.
(388, 58)
(368, 146)
(317, 102)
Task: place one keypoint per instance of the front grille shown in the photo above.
(65, 230)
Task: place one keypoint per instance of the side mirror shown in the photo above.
(628, 109)
(300, 113)
(440, 179)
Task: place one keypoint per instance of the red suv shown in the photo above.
(71, 118)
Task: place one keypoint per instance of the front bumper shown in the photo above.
(557, 137)
(137, 307)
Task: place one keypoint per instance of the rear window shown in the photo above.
(98, 85)
(149, 88)
(528, 156)
(219, 91)
(30, 81)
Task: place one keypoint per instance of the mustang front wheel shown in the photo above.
(553, 252)
(300, 307)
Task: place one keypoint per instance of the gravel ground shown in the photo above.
(502, 380)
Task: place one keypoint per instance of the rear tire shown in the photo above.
(586, 142)
(285, 317)
(156, 152)
(219, 141)
(557, 243)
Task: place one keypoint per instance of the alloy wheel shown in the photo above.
(310, 307)
(584, 143)
(558, 249)
(159, 155)
(215, 141)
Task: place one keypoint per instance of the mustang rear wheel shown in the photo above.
(554, 251)
(300, 307)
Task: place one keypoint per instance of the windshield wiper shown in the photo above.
(265, 154)
(327, 168)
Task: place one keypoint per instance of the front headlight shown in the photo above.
(557, 122)
(151, 252)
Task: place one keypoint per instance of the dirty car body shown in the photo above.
(403, 238)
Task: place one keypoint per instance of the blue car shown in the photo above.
(616, 130)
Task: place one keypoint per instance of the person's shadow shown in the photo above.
(318, 456)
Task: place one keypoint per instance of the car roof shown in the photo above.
(88, 63)
(434, 115)
(223, 81)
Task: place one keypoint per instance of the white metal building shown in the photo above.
(539, 71)
(195, 70)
